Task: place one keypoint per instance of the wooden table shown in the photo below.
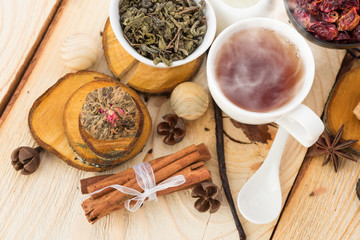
(318, 203)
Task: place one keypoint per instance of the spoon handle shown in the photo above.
(259, 200)
(274, 156)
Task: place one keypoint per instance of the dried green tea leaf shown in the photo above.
(108, 113)
(163, 30)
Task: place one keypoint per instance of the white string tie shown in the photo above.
(146, 180)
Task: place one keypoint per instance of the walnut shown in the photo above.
(173, 128)
(189, 100)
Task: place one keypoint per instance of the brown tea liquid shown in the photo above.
(258, 69)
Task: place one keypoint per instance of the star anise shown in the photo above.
(332, 148)
(208, 195)
(173, 127)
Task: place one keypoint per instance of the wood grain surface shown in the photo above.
(22, 25)
(322, 203)
(46, 204)
(339, 110)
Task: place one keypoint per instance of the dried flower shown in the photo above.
(26, 158)
(332, 148)
(108, 113)
(173, 128)
(208, 195)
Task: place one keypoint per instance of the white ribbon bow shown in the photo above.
(146, 180)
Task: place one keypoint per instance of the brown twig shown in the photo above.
(177, 33)
(189, 9)
(222, 168)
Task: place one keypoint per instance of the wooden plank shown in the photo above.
(22, 26)
(328, 202)
(50, 198)
(323, 205)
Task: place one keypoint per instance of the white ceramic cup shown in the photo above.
(300, 121)
(226, 14)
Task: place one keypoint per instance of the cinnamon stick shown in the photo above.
(156, 164)
(103, 205)
(194, 174)
(84, 183)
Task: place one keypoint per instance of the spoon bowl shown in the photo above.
(260, 200)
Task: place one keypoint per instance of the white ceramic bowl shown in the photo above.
(209, 36)
(227, 15)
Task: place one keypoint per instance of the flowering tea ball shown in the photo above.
(189, 100)
(109, 113)
(79, 51)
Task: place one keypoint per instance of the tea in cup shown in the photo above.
(259, 70)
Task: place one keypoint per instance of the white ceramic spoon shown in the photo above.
(259, 200)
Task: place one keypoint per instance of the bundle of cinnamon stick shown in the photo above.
(188, 162)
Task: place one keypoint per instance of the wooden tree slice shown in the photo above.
(342, 101)
(119, 60)
(105, 149)
(46, 118)
(84, 149)
(140, 76)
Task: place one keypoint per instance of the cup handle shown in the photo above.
(303, 124)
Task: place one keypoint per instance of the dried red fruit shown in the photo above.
(302, 17)
(330, 17)
(348, 20)
(323, 30)
(302, 3)
(329, 20)
(343, 36)
(356, 33)
(314, 7)
(329, 5)
(349, 4)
